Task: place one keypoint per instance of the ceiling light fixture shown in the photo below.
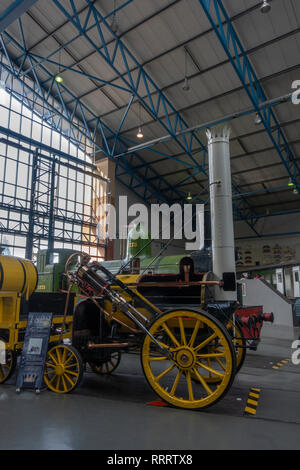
(59, 78)
(140, 134)
(257, 119)
(186, 85)
(290, 183)
(189, 197)
(266, 7)
(114, 23)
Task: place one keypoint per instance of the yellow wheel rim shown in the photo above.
(107, 367)
(238, 342)
(6, 368)
(193, 338)
(62, 369)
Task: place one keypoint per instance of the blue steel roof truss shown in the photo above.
(235, 51)
(89, 125)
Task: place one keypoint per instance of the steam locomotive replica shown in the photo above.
(182, 323)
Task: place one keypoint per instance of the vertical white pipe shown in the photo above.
(223, 253)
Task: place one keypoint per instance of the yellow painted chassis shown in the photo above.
(11, 321)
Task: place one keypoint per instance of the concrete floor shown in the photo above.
(111, 412)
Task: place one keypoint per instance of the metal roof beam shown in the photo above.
(59, 117)
(119, 57)
(13, 12)
(251, 51)
(242, 136)
(212, 98)
(178, 46)
(234, 49)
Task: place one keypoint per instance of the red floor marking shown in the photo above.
(157, 403)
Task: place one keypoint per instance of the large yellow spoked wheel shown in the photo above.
(63, 369)
(107, 367)
(9, 360)
(192, 337)
(239, 343)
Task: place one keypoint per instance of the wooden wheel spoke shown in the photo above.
(48, 364)
(53, 358)
(206, 342)
(176, 381)
(64, 384)
(58, 382)
(68, 379)
(203, 382)
(193, 337)
(212, 355)
(52, 379)
(58, 355)
(157, 358)
(210, 369)
(70, 366)
(190, 385)
(182, 333)
(165, 372)
(64, 356)
(71, 356)
(170, 334)
(221, 363)
(72, 373)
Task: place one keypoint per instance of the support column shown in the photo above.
(30, 235)
(52, 206)
(107, 168)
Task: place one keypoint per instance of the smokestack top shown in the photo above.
(218, 134)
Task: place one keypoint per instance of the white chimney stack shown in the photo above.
(223, 253)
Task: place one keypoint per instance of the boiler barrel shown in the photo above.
(17, 275)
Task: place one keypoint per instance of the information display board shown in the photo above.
(31, 369)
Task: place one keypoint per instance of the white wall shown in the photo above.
(257, 292)
(270, 226)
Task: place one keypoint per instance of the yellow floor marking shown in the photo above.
(252, 402)
(252, 405)
(274, 367)
(285, 362)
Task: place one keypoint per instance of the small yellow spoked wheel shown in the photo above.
(63, 369)
(193, 337)
(9, 363)
(107, 367)
(239, 342)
